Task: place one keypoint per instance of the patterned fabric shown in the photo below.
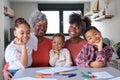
(89, 53)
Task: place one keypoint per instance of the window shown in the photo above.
(58, 15)
(53, 21)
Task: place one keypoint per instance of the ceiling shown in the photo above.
(52, 1)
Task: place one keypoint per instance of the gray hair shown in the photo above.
(36, 17)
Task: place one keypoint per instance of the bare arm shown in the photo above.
(24, 56)
(7, 75)
(100, 56)
(97, 64)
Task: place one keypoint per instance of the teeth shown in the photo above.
(40, 31)
(24, 39)
(96, 41)
(72, 33)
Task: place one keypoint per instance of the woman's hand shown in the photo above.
(7, 75)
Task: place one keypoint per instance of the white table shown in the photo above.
(31, 72)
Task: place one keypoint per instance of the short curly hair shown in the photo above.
(36, 17)
(75, 18)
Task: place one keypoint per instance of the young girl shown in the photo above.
(59, 56)
(95, 53)
(18, 52)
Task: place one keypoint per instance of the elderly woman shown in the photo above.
(40, 57)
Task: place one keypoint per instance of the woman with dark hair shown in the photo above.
(75, 43)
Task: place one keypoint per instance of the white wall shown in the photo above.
(24, 9)
(1, 36)
(7, 23)
(110, 27)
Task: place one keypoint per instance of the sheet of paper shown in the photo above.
(118, 78)
(56, 69)
(31, 78)
(102, 75)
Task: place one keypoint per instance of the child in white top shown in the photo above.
(59, 56)
(18, 53)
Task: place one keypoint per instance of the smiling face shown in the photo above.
(74, 30)
(93, 36)
(40, 28)
(57, 43)
(22, 32)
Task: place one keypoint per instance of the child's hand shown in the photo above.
(56, 51)
(21, 41)
(97, 64)
(99, 45)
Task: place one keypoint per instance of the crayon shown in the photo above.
(63, 73)
(38, 76)
(42, 75)
(57, 74)
(82, 73)
(85, 76)
(72, 75)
